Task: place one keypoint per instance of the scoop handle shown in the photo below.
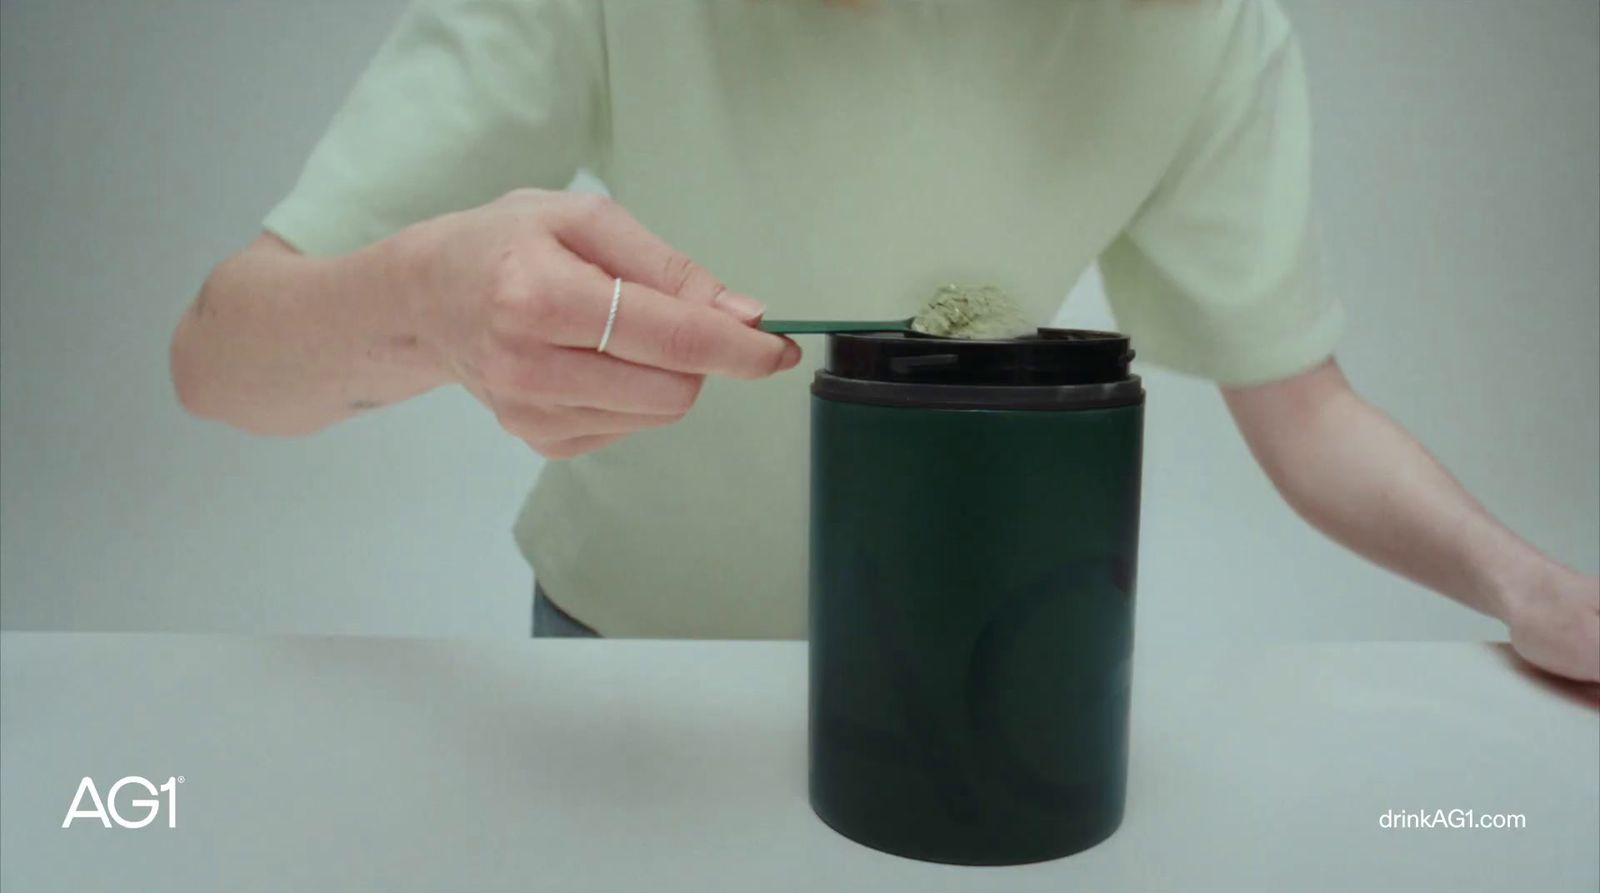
(827, 326)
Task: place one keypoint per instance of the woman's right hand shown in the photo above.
(511, 299)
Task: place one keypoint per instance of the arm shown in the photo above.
(1362, 480)
(279, 343)
(508, 299)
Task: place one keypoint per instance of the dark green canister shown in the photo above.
(974, 534)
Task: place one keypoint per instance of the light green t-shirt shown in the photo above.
(836, 162)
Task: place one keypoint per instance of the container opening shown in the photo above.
(1050, 356)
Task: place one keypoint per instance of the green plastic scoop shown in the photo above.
(956, 311)
(829, 326)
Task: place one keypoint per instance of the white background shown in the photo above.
(144, 139)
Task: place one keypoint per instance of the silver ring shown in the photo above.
(611, 318)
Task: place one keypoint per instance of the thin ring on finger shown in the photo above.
(611, 316)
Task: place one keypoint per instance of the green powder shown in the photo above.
(972, 311)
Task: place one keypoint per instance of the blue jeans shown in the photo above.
(550, 622)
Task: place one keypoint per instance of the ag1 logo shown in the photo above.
(106, 810)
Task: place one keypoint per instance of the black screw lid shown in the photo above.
(1052, 369)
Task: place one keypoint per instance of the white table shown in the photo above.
(559, 765)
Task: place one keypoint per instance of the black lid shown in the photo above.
(1052, 369)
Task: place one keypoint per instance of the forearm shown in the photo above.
(1362, 480)
(280, 343)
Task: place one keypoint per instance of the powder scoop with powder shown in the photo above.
(972, 311)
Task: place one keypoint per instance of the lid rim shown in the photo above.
(1050, 358)
(917, 395)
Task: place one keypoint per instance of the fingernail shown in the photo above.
(743, 306)
(791, 355)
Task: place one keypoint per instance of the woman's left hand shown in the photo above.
(1555, 623)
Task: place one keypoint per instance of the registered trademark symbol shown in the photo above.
(180, 779)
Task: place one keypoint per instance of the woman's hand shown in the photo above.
(511, 299)
(1555, 623)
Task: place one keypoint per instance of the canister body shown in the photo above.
(971, 626)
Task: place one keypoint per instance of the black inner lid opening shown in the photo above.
(1049, 357)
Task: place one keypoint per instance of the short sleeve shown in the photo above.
(1218, 274)
(465, 101)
